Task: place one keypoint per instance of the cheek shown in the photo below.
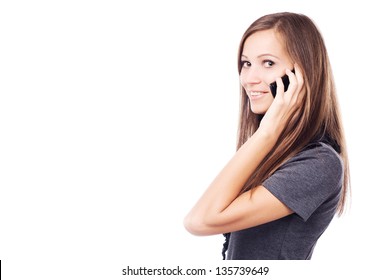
(242, 79)
(270, 78)
(246, 80)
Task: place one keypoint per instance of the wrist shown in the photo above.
(267, 138)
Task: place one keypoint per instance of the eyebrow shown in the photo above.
(259, 56)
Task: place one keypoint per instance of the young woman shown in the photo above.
(289, 176)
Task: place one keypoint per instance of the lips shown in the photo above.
(256, 94)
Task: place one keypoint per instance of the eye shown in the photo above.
(268, 63)
(245, 64)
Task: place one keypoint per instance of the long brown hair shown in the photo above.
(318, 117)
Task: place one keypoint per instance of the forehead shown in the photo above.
(264, 42)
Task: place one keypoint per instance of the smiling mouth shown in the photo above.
(256, 93)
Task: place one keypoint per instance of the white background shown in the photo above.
(116, 115)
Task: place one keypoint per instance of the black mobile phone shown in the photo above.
(285, 81)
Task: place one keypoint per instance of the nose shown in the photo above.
(252, 75)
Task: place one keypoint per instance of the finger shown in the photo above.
(301, 90)
(279, 88)
(299, 76)
(293, 81)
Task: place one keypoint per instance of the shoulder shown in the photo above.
(317, 164)
(308, 179)
(319, 159)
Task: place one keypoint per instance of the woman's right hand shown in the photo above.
(285, 104)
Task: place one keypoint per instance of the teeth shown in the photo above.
(255, 93)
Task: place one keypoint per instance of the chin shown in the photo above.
(259, 110)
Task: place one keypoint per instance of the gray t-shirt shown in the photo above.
(310, 185)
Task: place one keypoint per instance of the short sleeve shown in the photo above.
(307, 180)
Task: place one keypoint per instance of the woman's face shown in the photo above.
(263, 60)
